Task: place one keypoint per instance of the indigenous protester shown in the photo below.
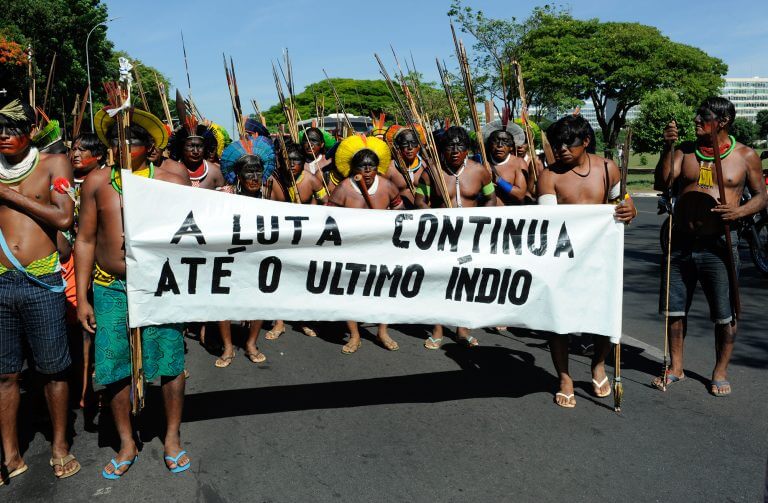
(249, 162)
(698, 246)
(408, 143)
(362, 160)
(308, 189)
(315, 142)
(578, 177)
(467, 183)
(508, 169)
(100, 252)
(87, 155)
(192, 144)
(32, 302)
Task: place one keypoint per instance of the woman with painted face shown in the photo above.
(249, 164)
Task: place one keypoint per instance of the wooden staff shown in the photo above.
(448, 92)
(338, 101)
(49, 82)
(732, 278)
(618, 387)
(164, 101)
(428, 147)
(466, 75)
(402, 167)
(526, 125)
(670, 220)
(360, 182)
(140, 87)
(78, 119)
(31, 77)
(284, 152)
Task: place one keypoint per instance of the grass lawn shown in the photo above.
(640, 182)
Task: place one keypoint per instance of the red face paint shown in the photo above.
(138, 151)
(13, 145)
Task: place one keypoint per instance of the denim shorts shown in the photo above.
(704, 260)
(33, 313)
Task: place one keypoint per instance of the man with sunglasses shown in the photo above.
(698, 247)
(100, 254)
(31, 291)
(508, 169)
(578, 177)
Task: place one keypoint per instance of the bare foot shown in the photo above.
(385, 340)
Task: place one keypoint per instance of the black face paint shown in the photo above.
(455, 145)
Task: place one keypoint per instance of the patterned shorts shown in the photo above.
(162, 346)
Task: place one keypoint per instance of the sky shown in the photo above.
(342, 36)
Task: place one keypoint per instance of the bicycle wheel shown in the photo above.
(758, 245)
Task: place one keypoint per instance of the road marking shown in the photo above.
(651, 351)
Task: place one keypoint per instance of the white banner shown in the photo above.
(201, 255)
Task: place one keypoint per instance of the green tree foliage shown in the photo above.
(363, 97)
(498, 43)
(566, 60)
(61, 27)
(657, 109)
(744, 131)
(762, 123)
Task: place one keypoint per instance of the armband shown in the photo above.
(397, 201)
(504, 185)
(615, 192)
(425, 190)
(547, 200)
(488, 189)
(417, 191)
(321, 193)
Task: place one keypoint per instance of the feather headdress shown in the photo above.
(258, 146)
(351, 145)
(13, 111)
(394, 130)
(378, 126)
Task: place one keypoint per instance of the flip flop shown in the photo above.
(671, 379)
(63, 461)
(597, 385)
(175, 461)
(348, 350)
(224, 361)
(390, 344)
(571, 401)
(470, 341)
(432, 343)
(308, 332)
(115, 476)
(273, 334)
(714, 385)
(15, 473)
(257, 357)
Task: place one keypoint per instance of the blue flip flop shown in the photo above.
(115, 476)
(175, 461)
(716, 385)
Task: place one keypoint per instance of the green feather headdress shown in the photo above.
(49, 134)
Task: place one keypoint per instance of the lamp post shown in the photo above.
(88, 66)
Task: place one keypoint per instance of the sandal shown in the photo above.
(4, 479)
(348, 349)
(63, 461)
(257, 357)
(273, 334)
(469, 341)
(671, 379)
(388, 343)
(224, 361)
(597, 385)
(175, 461)
(308, 331)
(716, 386)
(114, 475)
(432, 343)
(570, 400)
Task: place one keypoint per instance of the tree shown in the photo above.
(498, 43)
(762, 123)
(614, 65)
(657, 109)
(61, 27)
(744, 131)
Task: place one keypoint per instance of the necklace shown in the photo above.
(502, 162)
(457, 174)
(117, 184)
(589, 169)
(199, 173)
(708, 153)
(14, 173)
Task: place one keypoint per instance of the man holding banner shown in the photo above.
(100, 250)
(578, 177)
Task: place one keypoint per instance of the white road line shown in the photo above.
(651, 351)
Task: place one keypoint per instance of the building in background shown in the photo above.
(749, 96)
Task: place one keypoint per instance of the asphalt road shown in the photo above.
(451, 425)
